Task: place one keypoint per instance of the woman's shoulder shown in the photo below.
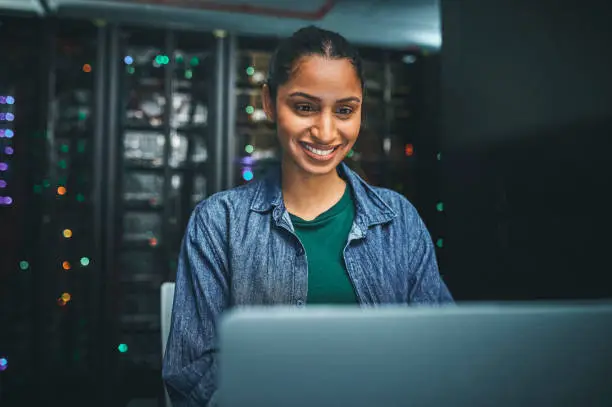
(227, 203)
(398, 203)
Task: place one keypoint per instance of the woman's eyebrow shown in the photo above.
(316, 99)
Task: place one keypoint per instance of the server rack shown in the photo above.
(71, 258)
(386, 147)
(164, 137)
(23, 155)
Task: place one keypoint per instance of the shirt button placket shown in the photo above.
(302, 267)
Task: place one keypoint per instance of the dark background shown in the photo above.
(511, 124)
(526, 120)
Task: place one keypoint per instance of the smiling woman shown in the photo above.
(312, 232)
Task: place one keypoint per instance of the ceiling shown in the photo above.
(386, 23)
(22, 6)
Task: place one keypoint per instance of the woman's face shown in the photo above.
(318, 113)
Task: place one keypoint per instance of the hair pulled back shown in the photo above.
(309, 41)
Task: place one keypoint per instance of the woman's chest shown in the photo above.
(271, 268)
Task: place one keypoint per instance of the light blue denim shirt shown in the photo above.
(240, 249)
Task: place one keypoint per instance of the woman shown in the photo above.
(311, 233)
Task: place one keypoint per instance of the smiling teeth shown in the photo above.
(318, 152)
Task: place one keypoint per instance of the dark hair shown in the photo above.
(307, 41)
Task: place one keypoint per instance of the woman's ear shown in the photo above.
(267, 103)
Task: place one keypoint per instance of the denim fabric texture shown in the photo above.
(240, 249)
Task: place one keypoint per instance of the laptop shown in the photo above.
(534, 354)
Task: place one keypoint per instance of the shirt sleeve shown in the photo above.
(201, 294)
(428, 287)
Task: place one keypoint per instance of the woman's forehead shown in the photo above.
(320, 76)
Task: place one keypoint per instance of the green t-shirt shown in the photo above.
(324, 239)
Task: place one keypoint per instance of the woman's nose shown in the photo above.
(325, 128)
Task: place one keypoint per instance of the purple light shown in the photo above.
(6, 200)
(2, 100)
(9, 133)
(3, 166)
(9, 150)
(2, 183)
(3, 364)
(248, 160)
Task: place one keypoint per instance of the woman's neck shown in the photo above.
(307, 196)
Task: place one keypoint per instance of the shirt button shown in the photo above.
(300, 303)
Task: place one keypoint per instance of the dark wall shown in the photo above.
(526, 134)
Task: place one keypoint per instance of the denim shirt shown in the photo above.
(240, 249)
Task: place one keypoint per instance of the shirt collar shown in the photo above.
(371, 209)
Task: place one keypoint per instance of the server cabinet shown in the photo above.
(69, 187)
(385, 150)
(163, 170)
(22, 170)
(55, 68)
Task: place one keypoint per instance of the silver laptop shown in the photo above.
(470, 355)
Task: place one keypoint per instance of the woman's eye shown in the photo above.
(345, 111)
(304, 108)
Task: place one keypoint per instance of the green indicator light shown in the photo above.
(46, 183)
(131, 70)
(80, 197)
(194, 61)
(440, 206)
(350, 154)
(37, 189)
(62, 164)
(249, 109)
(249, 149)
(82, 116)
(64, 148)
(81, 146)
(84, 261)
(250, 71)
(440, 243)
(24, 265)
(439, 156)
(122, 348)
(188, 74)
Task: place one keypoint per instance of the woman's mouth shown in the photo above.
(319, 153)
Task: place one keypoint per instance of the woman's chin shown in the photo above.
(315, 169)
(318, 168)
